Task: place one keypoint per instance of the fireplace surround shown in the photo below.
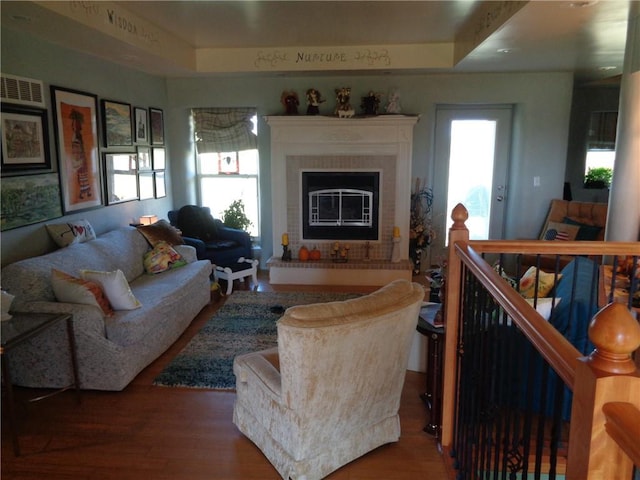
(380, 144)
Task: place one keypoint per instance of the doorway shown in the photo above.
(471, 166)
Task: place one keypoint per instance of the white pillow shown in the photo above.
(68, 288)
(76, 231)
(543, 306)
(115, 287)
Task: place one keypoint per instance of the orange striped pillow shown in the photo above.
(68, 288)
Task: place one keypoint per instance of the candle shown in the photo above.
(396, 232)
(285, 239)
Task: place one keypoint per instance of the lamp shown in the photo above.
(148, 219)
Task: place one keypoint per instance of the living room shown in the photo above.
(542, 143)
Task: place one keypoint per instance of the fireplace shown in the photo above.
(340, 205)
(356, 193)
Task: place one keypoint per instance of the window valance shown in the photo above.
(224, 129)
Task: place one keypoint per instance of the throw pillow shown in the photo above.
(585, 231)
(77, 231)
(162, 258)
(546, 281)
(560, 231)
(68, 288)
(115, 287)
(161, 231)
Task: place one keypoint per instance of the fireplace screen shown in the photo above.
(340, 205)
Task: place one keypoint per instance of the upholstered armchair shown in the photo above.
(330, 392)
(210, 237)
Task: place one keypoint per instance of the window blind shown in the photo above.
(224, 129)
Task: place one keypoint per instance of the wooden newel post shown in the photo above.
(607, 375)
(458, 233)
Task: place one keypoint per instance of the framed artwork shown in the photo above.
(141, 125)
(29, 199)
(76, 125)
(25, 138)
(146, 185)
(144, 159)
(159, 185)
(116, 120)
(158, 159)
(156, 117)
(228, 163)
(121, 174)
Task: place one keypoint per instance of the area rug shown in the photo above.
(245, 323)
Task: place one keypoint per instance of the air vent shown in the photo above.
(20, 90)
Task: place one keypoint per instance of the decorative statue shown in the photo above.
(289, 99)
(343, 99)
(370, 103)
(314, 99)
(394, 102)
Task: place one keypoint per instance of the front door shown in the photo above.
(472, 146)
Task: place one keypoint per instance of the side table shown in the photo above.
(435, 344)
(20, 328)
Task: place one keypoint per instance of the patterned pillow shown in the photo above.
(161, 231)
(586, 231)
(162, 258)
(68, 288)
(115, 287)
(561, 231)
(546, 281)
(77, 231)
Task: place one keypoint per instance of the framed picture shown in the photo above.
(76, 125)
(29, 199)
(121, 174)
(159, 185)
(141, 125)
(156, 117)
(146, 185)
(25, 138)
(158, 159)
(144, 159)
(116, 120)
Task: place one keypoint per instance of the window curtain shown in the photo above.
(224, 129)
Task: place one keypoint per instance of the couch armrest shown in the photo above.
(188, 252)
(197, 244)
(87, 318)
(261, 364)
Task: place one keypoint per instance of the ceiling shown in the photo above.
(196, 38)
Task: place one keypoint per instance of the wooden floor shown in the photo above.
(161, 433)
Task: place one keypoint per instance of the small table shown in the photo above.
(20, 328)
(238, 271)
(435, 344)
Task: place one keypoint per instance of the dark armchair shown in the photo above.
(212, 240)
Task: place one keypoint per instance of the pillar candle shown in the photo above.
(396, 232)
(285, 239)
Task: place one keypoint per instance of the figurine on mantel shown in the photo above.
(314, 99)
(343, 99)
(371, 103)
(393, 107)
(289, 99)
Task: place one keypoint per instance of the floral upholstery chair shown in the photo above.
(330, 392)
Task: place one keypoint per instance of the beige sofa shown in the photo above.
(111, 351)
(330, 392)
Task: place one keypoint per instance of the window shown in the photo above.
(227, 161)
(601, 147)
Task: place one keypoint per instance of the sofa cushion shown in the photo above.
(115, 287)
(161, 231)
(68, 288)
(557, 231)
(162, 258)
(546, 282)
(585, 231)
(77, 231)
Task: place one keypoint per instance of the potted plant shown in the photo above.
(599, 177)
(234, 216)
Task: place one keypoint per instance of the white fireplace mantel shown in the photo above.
(388, 136)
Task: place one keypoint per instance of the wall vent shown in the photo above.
(21, 90)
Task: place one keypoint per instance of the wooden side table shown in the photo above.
(435, 344)
(20, 328)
